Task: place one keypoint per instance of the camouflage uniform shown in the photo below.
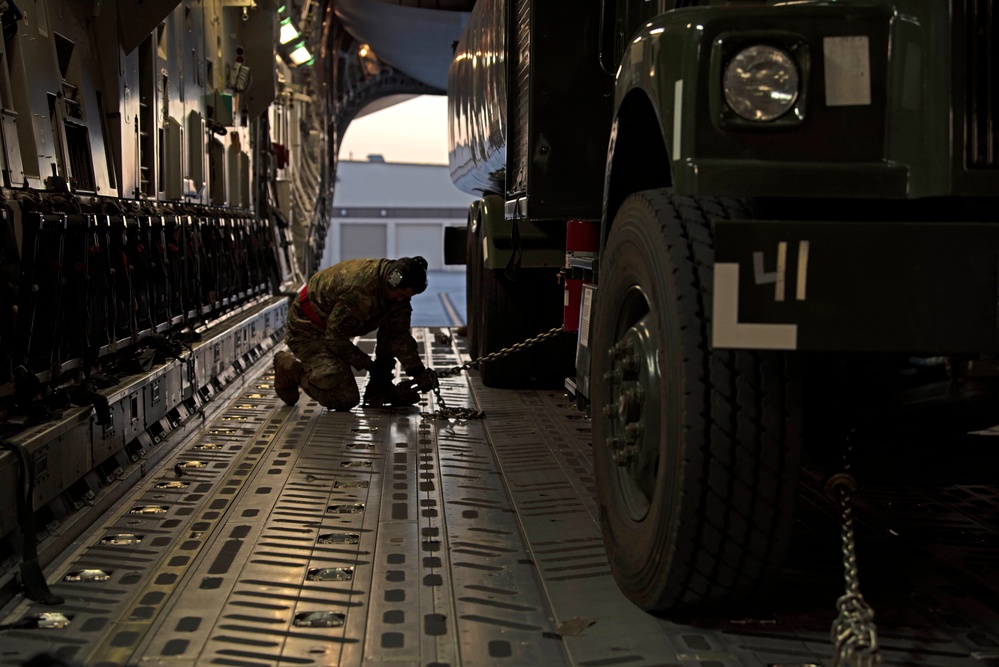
(350, 299)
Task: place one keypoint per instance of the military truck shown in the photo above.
(781, 204)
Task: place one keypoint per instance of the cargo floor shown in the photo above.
(276, 535)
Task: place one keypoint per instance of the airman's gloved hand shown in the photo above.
(425, 380)
(378, 394)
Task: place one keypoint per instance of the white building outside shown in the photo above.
(389, 209)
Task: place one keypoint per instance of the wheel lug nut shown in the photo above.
(629, 404)
(633, 431)
(624, 457)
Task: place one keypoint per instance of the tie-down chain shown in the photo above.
(445, 412)
(854, 633)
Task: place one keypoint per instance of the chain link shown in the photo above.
(447, 413)
(854, 633)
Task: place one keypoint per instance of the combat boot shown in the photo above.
(287, 372)
(378, 394)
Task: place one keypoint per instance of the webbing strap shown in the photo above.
(303, 301)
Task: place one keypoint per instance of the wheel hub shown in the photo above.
(633, 389)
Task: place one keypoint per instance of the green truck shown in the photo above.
(745, 214)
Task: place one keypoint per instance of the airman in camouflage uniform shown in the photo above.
(350, 299)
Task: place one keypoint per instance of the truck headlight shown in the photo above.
(761, 83)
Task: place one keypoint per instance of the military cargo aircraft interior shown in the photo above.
(707, 374)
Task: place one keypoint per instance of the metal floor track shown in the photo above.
(278, 536)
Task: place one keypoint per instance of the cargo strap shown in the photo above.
(303, 302)
(32, 577)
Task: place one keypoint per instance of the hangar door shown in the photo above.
(363, 240)
(413, 239)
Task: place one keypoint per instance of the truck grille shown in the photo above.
(981, 72)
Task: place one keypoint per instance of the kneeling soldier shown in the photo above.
(350, 299)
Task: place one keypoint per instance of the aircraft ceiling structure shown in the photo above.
(413, 36)
(369, 55)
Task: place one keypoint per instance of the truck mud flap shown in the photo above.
(455, 240)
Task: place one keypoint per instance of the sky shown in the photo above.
(412, 131)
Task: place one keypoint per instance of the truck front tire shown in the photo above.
(695, 450)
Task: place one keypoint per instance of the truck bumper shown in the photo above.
(837, 286)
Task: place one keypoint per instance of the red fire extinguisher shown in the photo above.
(580, 243)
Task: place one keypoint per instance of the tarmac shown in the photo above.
(443, 303)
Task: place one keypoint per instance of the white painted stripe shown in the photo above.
(677, 117)
(802, 269)
(451, 311)
(727, 332)
(760, 275)
(781, 271)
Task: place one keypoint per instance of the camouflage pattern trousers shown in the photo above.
(326, 377)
